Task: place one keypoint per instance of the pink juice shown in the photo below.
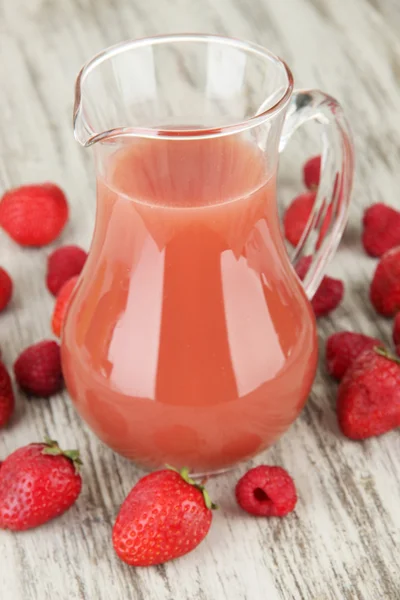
(189, 341)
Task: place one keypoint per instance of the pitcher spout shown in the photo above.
(100, 109)
(86, 117)
(82, 133)
(116, 95)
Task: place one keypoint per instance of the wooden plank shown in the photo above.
(341, 542)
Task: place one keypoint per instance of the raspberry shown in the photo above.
(62, 304)
(266, 492)
(396, 333)
(38, 369)
(297, 215)
(6, 396)
(6, 289)
(34, 215)
(368, 401)
(343, 348)
(381, 229)
(385, 286)
(311, 172)
(62, 264)
(329, 294)
(302, 266)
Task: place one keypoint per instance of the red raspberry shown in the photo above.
(6, 396)
(266, 492)
(385, 286)
(62, 264)
(396, 333)
(329, 294)
(34, 215)
(297, 216)
(368, 401)
(38, 369)
(312, 172)
(381, 229)
(6, 289)
(343, 348)
(62, 304)
(302, 266)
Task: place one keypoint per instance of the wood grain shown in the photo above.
(341, 543)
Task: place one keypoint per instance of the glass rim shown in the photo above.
(179, 133)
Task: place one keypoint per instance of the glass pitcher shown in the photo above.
(190, 340)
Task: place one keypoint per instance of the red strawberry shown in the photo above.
(266, 492)
(381, 229)
(369, 395)
(62, 264)
(38, 369)
(312, 172)
(62, 303)
(297, 216)
(6, 396)
(38, 483)
(396, 333)
(34, 215)
(6, 288)
(165, 515)
(329, 294)
(343, 348)
(385, 286)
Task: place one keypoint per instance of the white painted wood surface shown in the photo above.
(342, 541)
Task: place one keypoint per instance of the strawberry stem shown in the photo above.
(386, 354)
(53, 449)
(184, 473)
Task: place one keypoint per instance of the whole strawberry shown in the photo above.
(6, 288)
(165, 515)
(62, 264)
(6, 396)
(34, 215)
(329, 294)
(266, 492)
(312, 172)
(396, 333)
(38, 369)
(381, 229)
(62, 303)
(368, 402)
(38, 483)
(385, 286)
(342, 349)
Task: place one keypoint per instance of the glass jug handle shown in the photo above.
(327, 221)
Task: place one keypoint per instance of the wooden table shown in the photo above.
(342, 541)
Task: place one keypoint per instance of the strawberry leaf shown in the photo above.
(184, 473)
(53, 449)
(386, 354)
